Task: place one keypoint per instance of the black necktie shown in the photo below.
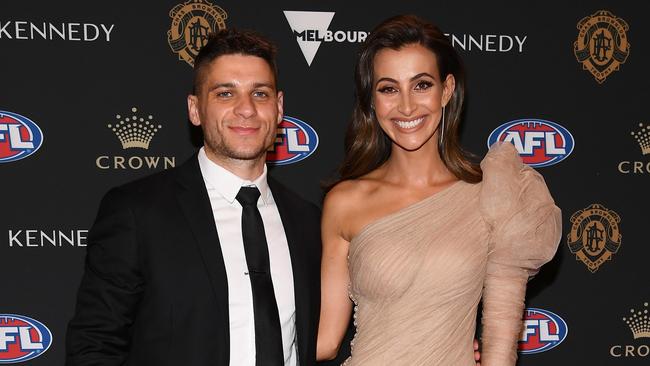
(268, 335)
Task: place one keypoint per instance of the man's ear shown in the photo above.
(193, 109)
(280, 106)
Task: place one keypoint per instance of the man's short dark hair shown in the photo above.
(234, 42)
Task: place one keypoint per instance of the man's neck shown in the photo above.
(246, 169)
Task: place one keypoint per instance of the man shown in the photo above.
(213, 262)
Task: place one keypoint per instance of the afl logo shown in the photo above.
(20, 137)
(543, 330)
(22, 338)
(295, 141)
(539, 142)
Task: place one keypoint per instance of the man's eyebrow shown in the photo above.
(269, 85)
(221, 85)
(264, 85)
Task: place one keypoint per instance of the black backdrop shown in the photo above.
(72, 67)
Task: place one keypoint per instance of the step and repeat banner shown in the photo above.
(93, 95)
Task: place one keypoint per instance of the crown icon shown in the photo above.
(642, 136)
(134, 131)
(638, 322)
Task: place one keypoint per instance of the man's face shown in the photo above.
(238, 107)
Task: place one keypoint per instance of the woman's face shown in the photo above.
(409, 95)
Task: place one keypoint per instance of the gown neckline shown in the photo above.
(405, 209)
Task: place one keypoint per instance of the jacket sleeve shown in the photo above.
(111, 287)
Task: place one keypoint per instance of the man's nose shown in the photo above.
(245, 107)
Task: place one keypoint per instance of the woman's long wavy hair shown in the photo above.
(366, 145)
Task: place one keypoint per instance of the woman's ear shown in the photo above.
(448, 87)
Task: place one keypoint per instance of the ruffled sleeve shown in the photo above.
(525, 228)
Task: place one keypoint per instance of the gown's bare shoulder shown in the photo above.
(344, 204)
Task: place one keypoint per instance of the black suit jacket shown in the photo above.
(155, 291)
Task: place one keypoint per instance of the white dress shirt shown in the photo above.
(223, 186)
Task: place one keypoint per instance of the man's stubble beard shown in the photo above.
(222, 149)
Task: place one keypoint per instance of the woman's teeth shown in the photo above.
(409, 124)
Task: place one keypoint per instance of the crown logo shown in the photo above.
(642, 136)
(638, 322)
(134, 131)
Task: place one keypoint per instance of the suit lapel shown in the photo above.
(291, 223)
(195, 205)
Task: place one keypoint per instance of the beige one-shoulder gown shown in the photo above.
(417, 275)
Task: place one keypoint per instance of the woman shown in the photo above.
(414, 233)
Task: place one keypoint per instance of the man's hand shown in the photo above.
(477, 353)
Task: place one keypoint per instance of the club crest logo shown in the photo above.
(602, 44)
(595, 235)
(192, 22)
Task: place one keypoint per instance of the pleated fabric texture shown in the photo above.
(418, 275)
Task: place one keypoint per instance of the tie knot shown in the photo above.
(248, 196)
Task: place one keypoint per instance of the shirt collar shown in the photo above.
(228, 184)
